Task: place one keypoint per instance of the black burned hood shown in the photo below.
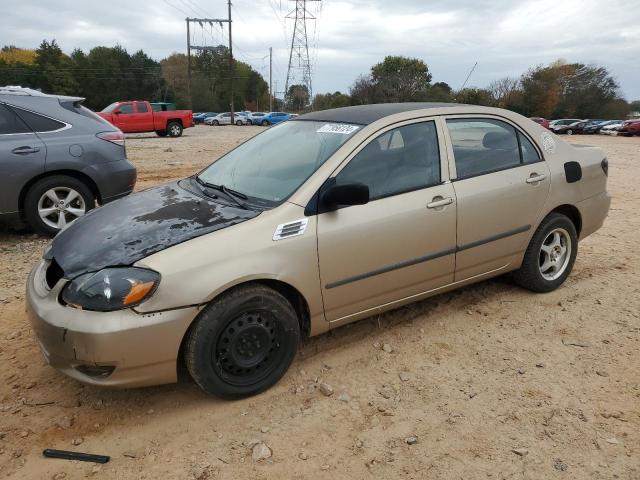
(127, 230)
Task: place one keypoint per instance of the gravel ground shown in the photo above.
(486, 382)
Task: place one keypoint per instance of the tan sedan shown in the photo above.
(317, 222)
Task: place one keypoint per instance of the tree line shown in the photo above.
(108, 74)
(561, 89)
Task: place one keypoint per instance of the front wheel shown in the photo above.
(174, 129)
(215, 123)
(550, 255)
(265, 123)
(569, 132)
(243, 342)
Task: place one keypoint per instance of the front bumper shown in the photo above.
(137, 349)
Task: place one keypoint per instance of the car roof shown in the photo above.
(366, 114)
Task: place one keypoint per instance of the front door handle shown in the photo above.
(535, 178)
(25, 150)
(439, 201)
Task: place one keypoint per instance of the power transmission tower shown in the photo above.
(299, 69)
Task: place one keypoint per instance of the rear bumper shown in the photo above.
(114, 179)
(593, 211)
(134, 350)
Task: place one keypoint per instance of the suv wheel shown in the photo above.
(174, 129)
(243, 342)
(550, 255)
(54, 202)
(265, 123)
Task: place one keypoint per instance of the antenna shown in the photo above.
(467, 79)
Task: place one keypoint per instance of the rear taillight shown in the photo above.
(605, 166)
(113, 137)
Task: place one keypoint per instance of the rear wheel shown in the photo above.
(239, 123)
(174, 129)
(550, 255)
(243, 342)
(569, 132)
(54, 202)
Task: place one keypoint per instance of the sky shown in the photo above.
(505, 37)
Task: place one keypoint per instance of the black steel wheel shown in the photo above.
(243, 342)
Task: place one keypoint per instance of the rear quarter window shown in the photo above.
(10, 123)
(39, 123)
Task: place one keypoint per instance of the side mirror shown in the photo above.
(346, 194)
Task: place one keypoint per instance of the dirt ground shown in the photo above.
(492, 381)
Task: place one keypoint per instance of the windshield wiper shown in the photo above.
(232, 194)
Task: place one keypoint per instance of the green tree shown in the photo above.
(323, 101)
(474, 96)
(297, 97)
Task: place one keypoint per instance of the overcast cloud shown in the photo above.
(505, 37)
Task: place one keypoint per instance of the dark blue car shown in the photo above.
(199, 118)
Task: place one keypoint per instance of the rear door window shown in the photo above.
(483, 146)
(10, 123)
(142, 107)
(39, 123)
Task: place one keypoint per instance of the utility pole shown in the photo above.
(189, 65)
(230, 66)
(299, 64)
(201, 21)
(270, 74)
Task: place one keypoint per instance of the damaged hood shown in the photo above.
(127, 230)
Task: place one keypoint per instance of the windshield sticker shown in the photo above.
(341, 128)
(548, 143)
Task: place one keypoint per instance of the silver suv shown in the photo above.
(57, 159)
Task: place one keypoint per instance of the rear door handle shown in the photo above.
(438, 202)
(535, 178)
(25, 150)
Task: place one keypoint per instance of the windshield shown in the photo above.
(271, 166)
(110, 108)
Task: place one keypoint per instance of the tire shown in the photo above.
(532, 274)
(215, 123)
(569, 132)
(174, 129)
(249, 122)
(265, 123)
(39, 199)
(236, 330)
(239, 123)
(161, 133)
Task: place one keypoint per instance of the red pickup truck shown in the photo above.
(138, 116)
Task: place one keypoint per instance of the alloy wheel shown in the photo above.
(555, 254)
(58, 207)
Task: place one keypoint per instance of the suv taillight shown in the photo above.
(113, 137)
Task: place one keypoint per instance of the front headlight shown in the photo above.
(111, 289)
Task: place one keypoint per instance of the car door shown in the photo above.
(143, 118)
(501, 183)
(122, 117)
(225, 119)
(401, 243)
(22, 157)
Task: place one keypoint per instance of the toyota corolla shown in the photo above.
(317, 222)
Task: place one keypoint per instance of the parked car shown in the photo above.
(320, 221)
(138, 116)
(594, 127)
(630, 128)
(57, 159)
(572, 129)
(561, 123)
(225, 119)
(612, 128)
(201, 117)
(540, 121)
(254, 118)
(272, 118)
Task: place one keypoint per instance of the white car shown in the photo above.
(611, 129)
(255, 118)
(225, 119)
